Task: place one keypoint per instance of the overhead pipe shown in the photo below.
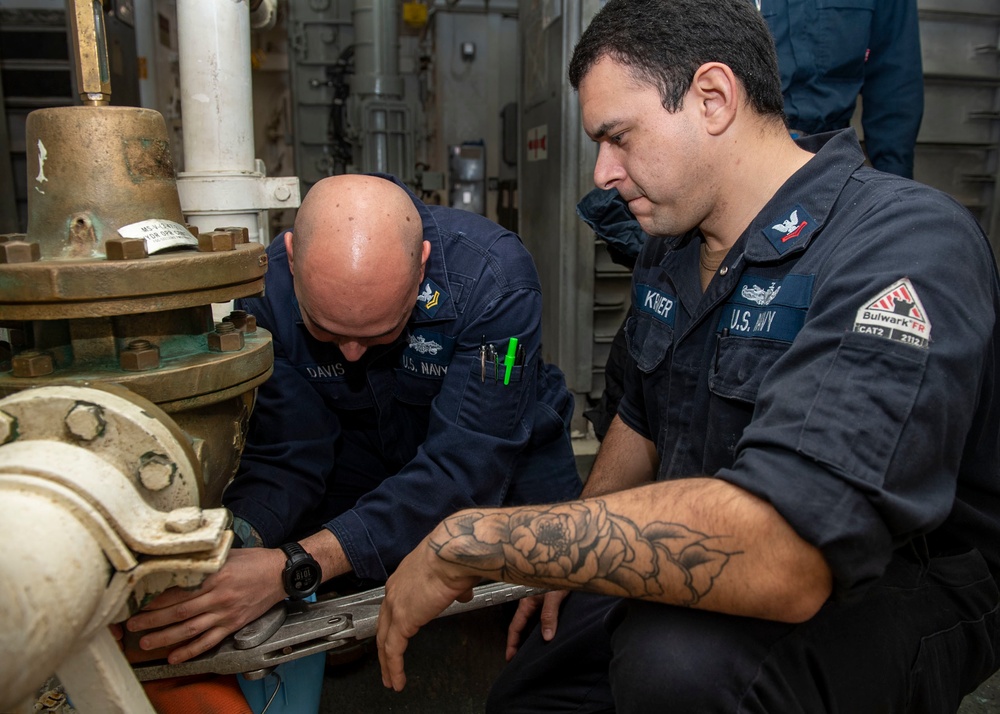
(221, 184)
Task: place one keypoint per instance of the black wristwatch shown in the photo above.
(302, 574)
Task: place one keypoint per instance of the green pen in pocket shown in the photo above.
(508, 361)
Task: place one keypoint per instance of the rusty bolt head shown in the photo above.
(226, 338)
(215, 241)
(139, 356)
(19, 251)
(192, 229)
(6, 237)
(184, 520)
(125, 248)
(8, 428)
(156, 471)
(240, 233)
(32, 363)
(244, 321)
(85, 421)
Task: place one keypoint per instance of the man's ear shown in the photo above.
(718, 94)
(425, 254)
(288, 249)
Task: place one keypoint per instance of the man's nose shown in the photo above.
(607, 170)
(352, 351)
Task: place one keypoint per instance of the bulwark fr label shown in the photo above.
(896, 314)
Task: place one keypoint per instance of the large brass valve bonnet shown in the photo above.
(93, 170)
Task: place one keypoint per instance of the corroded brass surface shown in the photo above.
(49, 289)
(219, 430)
(92, 170)
(209, 395)
(125, 248)
(19, 251)
(107, 313)
(139, 356)
(31, 363)
(215, 241)
(185, 376)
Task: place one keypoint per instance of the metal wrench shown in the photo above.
(295, 629)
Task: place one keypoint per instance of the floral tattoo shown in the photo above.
(581, 544)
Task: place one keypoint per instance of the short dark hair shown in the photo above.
(663, 42)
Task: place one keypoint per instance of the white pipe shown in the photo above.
(145, 47)
(53, 575)
(213, 40)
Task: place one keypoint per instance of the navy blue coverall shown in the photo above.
(380, 450)
(842, 365)
(830, 51)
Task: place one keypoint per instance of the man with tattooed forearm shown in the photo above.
(797, 506)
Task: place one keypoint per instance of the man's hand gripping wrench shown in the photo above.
(294, 629)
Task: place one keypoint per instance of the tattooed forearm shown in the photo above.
(584, 546)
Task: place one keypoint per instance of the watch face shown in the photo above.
(305, 578)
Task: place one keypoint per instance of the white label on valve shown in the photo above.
(160, 234)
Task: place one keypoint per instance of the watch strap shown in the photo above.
(293, 549)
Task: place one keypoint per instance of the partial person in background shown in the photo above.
(829, 53)
(608, 215)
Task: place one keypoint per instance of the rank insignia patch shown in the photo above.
(896, 314)
(431, 297)
(790, 229)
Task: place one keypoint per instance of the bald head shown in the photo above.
(362, 216)
(357, 256)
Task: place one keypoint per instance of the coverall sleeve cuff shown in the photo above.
(633, 419)
(824, 509)
(269, 528)
(358, 546)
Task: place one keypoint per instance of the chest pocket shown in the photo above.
(648, 341)
(741, 365)
(841, 36)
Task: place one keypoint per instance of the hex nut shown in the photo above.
(244, 321)
(192, 229)
(225, 340)
(85, 421)
(8, 428)
(184, 520)
(216, 241)
(32, 363)
(19, 251)
(139, 356)
(156, 472)
(6, 237)
(240, 233)
(125, 248)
